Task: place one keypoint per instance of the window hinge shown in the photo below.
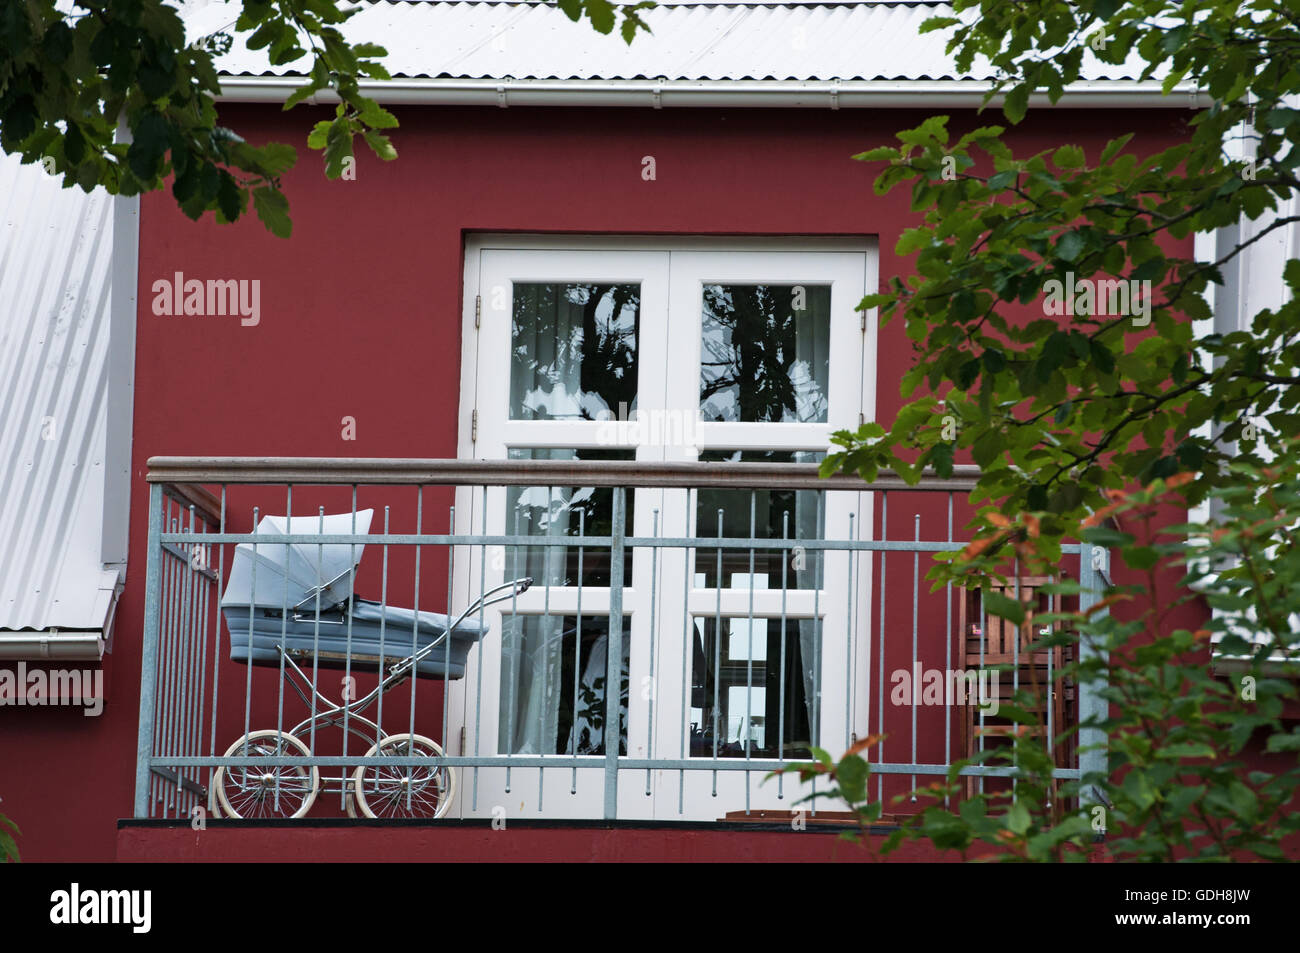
(862, 419)
(864, 320)
(473, 425)
(478, 310)
(462, 741)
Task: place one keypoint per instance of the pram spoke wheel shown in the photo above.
(402, 790)
(273, 791)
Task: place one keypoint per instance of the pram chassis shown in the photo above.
(376, 791)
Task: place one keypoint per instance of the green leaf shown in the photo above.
(230, 200)
(1069, 246)
(273, 209)
(150, 138)
(1017, 103)
(1018, 819)
(381, 145)
(601, 13)
(1068, 157)
(852, 773)
(986, 448)
(301, 94)
(999, 605)
(1001, 180)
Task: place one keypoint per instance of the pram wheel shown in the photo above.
(248, 792)
(402, 790)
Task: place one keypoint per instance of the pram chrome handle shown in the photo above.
(507, 590)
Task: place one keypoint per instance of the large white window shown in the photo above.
(663, 350)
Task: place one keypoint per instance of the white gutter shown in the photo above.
(815, 94)
(52, 644)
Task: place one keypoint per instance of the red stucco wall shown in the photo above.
(360, 317)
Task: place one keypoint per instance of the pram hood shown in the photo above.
(275, 575)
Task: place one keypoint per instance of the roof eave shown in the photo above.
(788, 94)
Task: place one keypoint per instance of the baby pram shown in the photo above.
(291, 605)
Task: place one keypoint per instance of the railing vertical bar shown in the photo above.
(916, 601)
(880, 686)
(577, 647)
(514, 656)
(199, 699)
(548, 628)
(1015, 652)
(717, 653)
(284, 637)
(614, 654)
(198, 661)
(149, 655)
(650, 707)
(248, 674)
(947, 647)
(815, 729)
(850, 631)
(415, 631)
(688, 651)
(170, 732)
(451, 617)
(216, 639)
(749, 635)
(200, 696)
(1050, 699)
(350, 692)
(983, 642)
(383, 630)
(159, 802)
(187, 670)
(478, 695)
(780, 714)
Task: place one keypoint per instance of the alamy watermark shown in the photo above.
(212, 298)
(1107, 297)
(77, 906)
(954, 686)
(636, 428)
(55, 686)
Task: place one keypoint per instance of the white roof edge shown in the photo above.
(812, 94)
(52, 644)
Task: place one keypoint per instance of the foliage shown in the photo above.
(1066, 409)
(8, 845)
(1178, 784)
(68, 75)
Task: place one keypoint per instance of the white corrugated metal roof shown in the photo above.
(55, 263)
(691, 41)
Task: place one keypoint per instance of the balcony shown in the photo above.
(431, 639)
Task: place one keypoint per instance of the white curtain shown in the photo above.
(531, 653)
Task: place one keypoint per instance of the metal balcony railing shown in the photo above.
(748, 612)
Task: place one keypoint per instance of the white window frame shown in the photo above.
(671, 272)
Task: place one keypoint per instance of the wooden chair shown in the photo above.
(997, 645)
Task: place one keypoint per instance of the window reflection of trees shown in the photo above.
(762, 358)
(573, 350)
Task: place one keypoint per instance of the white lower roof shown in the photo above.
(55, 263)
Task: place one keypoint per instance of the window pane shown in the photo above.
(564, 511)
(765, 353)
(736, 694)
(553, 685)
(796, 512)
(573, 351)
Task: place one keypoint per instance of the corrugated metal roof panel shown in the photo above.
(55, 263)
(691, 41)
